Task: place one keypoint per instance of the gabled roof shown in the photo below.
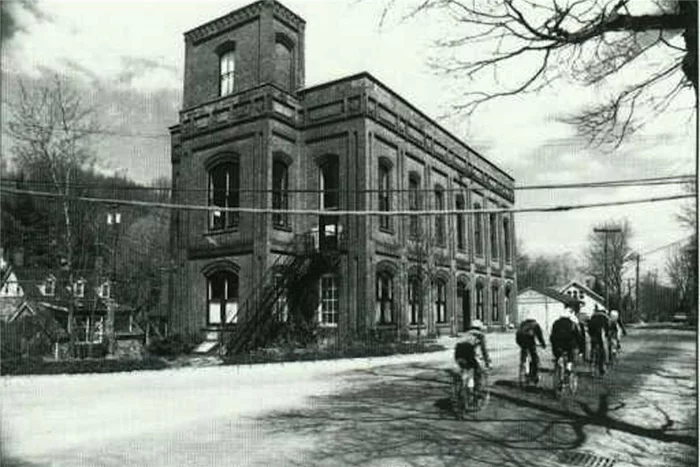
(553, 294)
(584, 288)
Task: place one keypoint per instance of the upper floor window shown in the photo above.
(493, 233)
(385, 298)
(280, 193)
(414, 204)
(330, 184)
(384, 195)
(439, 219)
(507, 240)
(478, 231)
(224, 193)
(284, 53)
(227, 72)
(461, 236)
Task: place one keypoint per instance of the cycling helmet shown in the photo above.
(614, 314)
(477, 324)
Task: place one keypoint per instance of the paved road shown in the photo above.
(368, 412)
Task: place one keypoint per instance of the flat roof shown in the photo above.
(369, 76)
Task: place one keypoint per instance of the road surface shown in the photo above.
(391, 411)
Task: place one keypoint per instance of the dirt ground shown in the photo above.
(390, 411)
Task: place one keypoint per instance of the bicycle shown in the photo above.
(564, 381)
(465, 396)
(525, 373)
(597, 360)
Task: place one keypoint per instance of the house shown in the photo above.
(544, 305)
(251, 135)
(588, 298)
(35, 302)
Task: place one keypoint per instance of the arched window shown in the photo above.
(439, 219)
(384, 312)
(280, 193)
(414, 301)
(493, 233)
(478, 231)
(227, 72)
(222, 297)
(224, 190)
(479, 301)
(283, 63)
(495, 302)
(384, 195)
(414, 204)
(440, 301)
(506, 240)
(461, 237)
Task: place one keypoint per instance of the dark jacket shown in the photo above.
(467, 348)
(528, 331)
(598, 325)
(567, 334)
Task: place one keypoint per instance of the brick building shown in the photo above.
(250, 135)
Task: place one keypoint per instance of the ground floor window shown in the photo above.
(440, 301)
(414, 301)
(281, 309)
(222, 297)
(89, 329)
(329, 300)
(495, 312)
(385, 298)
(479, 302)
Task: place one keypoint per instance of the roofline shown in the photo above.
(241, 9)
(583, 286)
(368, 75)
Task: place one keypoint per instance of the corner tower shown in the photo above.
(262, 43)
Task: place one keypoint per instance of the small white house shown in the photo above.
(587, 298)
(545, 305)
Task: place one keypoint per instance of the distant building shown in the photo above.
(250, 135)
(588, 298)
(544, 305)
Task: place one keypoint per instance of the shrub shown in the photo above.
(171, 347)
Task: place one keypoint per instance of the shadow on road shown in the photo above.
(402, 415)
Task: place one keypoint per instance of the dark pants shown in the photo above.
(601, 358)
(558, 351)
(535, 359)
(467, 360)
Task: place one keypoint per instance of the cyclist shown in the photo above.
(566, 337)
(528, 331)
(598, 330)
(467, 350)
(616, 326)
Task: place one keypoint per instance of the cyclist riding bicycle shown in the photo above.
(616, 326)
(467, 350)
(598, 330)
(566, 337)
(528, 331)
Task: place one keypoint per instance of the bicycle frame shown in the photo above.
(468, 397)
(562, 381)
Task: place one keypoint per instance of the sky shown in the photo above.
(128, 57)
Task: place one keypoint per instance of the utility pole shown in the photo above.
(606, 231)
(636, 288)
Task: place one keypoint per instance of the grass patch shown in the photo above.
(44, 367)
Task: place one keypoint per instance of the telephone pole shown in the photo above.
(606, 231)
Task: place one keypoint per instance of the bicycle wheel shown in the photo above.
(573, 382)
(458, 396)
(558, 380)
(524, 373)
(484, 392)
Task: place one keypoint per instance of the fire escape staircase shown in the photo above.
(256, 322)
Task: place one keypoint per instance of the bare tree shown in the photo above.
(528, 44)
(51, 128)
(607, 257)
(682, 263)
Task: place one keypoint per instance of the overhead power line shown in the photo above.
(327, 212)
(639, 182)
(668, 245)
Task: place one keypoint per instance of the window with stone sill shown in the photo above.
(384, 196)
(328, 306)
(280, 194)
(227, 72)
(224, 192)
